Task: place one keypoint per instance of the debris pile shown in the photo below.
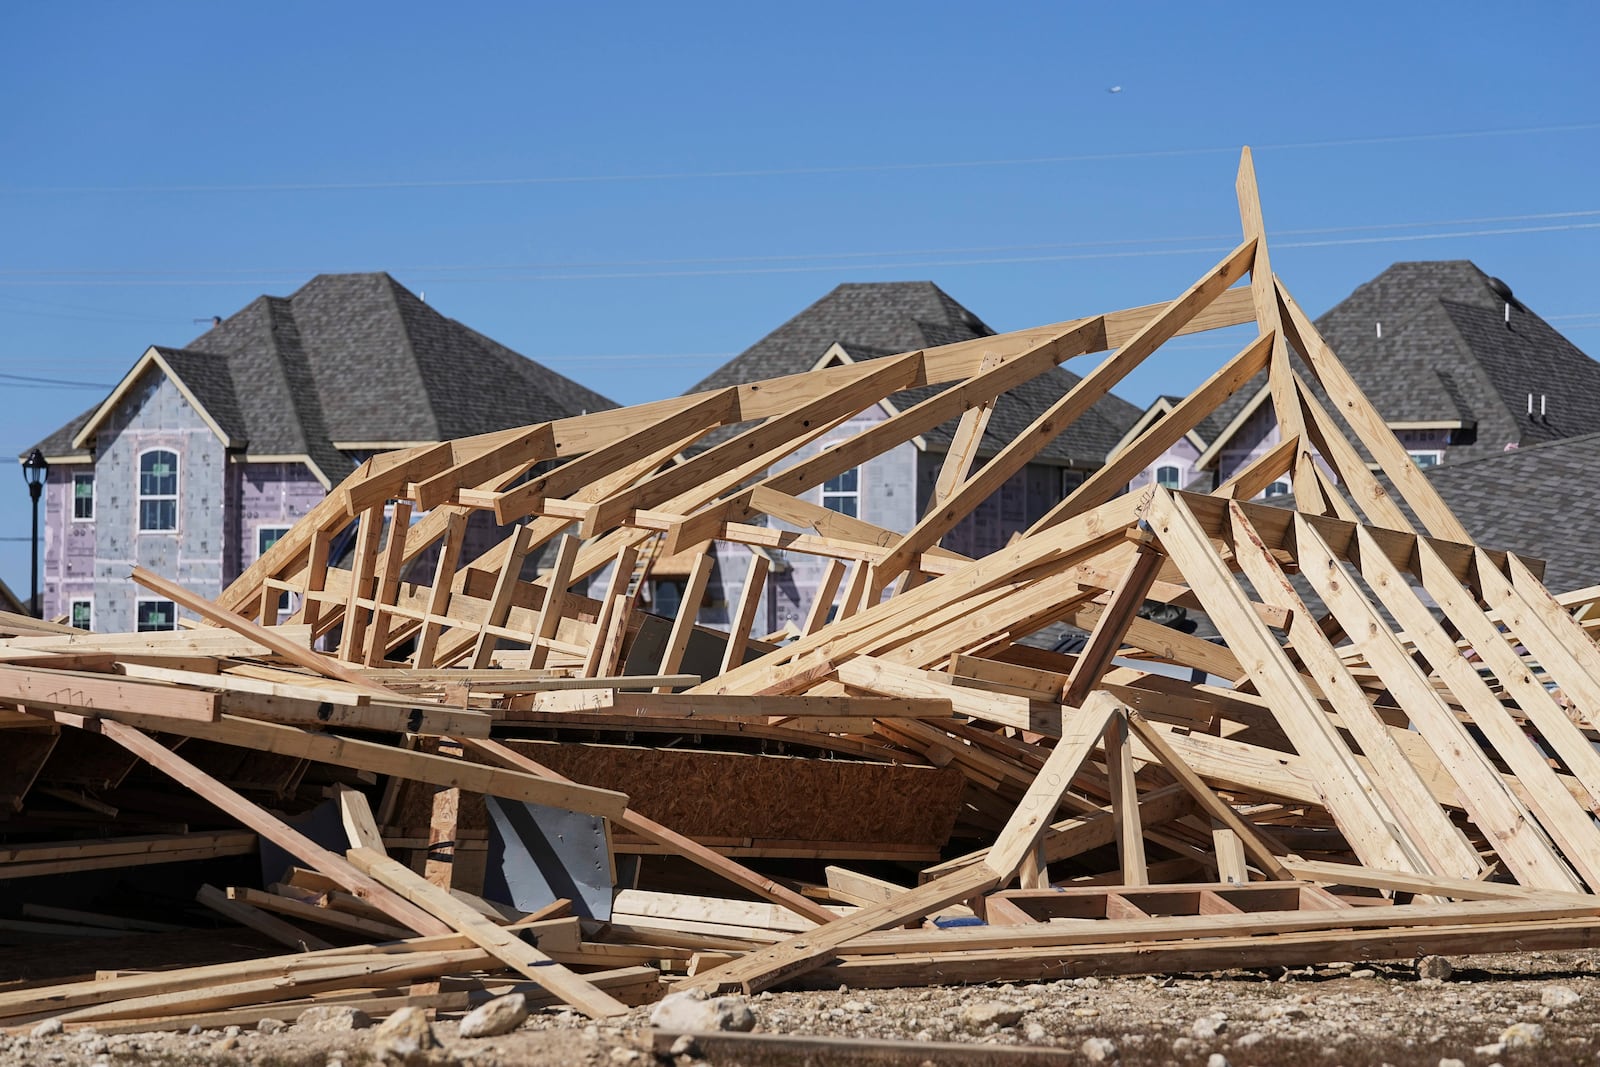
(469, 779)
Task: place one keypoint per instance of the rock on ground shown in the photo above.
(691, 1011)
(500, 1016)
(332, 1019)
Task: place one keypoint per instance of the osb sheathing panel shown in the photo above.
(726, 794)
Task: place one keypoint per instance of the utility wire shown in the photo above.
(835, 267)
(973, 250)
(778, 172)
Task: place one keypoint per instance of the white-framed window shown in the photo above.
(1278, 489)
(82, 496)
(1427, 459)
(1169, 477)
(82, 614)
(842, 493)
(267, 536)
(155, 615)
(158, 491)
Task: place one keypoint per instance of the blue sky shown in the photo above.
(632, 193)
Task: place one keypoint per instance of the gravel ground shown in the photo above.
(1538, 1008)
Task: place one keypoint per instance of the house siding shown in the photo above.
(263, 494)
(67, 546)
(154, 414)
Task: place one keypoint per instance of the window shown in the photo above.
(158, 492)
(1278, 489)
(1168, 478)
(82, 497)
(155, 615)
(842, 493)
(83, 614)
(266, 537)
(1426, 459)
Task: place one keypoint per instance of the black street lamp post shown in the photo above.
(34, 469)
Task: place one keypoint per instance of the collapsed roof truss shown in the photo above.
(1393, 696)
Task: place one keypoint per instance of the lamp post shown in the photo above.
(34, 469)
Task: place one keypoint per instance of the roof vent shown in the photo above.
(1503, 291)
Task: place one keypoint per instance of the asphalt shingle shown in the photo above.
(357, 358)
(870, 320)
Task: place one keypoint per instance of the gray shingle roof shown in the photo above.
(874, 319)
(357, 358)
(1448, 352)
(1537, 501)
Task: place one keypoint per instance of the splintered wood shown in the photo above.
(908, 787)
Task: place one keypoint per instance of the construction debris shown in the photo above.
(486, 783)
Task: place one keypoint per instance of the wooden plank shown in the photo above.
(606, 643)
(705, 411)
(822, 598)
(83, 691)
(1497, 812)
(683, 623)
(1280, 375)
(1106, 637)
(736, 1048)
(1044, 429)
(386, 581)
(273, 638)
(311, 913)
(767, 967)
(362, 571)
(1080, 735)
(279, 930)
(1122, 467)
(750, 597)
(279, 833)
(439, 594)
(1328, 439)
(1124, 790)
(687, 705)
(1396, 779)
(504, 945)
(472, 461)
(1209, 802)
(1485, 638)
(499, 606)
(417, 766)
(864, 385)
(1359, 414)
(1570, 825)
(555, 597)
(1367, 823)
(359, 825)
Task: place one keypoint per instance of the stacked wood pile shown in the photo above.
(906, 792)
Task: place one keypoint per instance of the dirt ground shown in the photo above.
(1536, 1008)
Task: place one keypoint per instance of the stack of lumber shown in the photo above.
(907, 788)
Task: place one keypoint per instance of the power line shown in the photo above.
(779, 172)
(833, 267)
(689, 261)
(62, 382)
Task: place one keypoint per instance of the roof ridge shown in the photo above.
(392, 289)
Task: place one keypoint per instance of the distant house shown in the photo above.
(1457, 366)
(202, 456)
(864, 321)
